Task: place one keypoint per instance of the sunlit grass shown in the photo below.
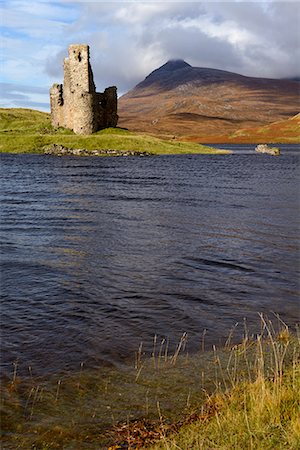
(259, 411)
(258, 415)
(29, 131)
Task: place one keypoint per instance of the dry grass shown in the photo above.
(259, 411)
(239, 397)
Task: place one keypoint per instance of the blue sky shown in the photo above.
(130, 39)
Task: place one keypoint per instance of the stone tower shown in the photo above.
(76, 104)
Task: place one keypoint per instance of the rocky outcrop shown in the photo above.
(76, 104)
(61, 150)
(264, 148)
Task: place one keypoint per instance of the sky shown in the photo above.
(129, 39)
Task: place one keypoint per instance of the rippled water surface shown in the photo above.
(99, 254)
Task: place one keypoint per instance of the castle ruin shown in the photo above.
(76, 104)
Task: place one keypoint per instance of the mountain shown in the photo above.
(182, 100)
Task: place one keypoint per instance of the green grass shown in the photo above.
(239, 397)
(30, 131)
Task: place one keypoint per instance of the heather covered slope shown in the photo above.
(182, 100)
(284, 131)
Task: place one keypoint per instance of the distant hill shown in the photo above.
(178, 99)
(283, 131)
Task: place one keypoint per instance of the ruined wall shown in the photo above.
(68, 100)
(76, 104)
(56, 104)
(111, 100)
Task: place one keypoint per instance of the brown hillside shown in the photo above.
(284, 131)
(181, 100)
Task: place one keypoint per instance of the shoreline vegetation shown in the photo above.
(243, 396)
(30, 131)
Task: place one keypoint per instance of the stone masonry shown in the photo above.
(76, 104)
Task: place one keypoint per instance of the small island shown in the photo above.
(30, 131)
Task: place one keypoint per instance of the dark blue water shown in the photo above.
(99, 254)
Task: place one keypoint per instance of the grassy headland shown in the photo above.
(30, 131)
(245, 396)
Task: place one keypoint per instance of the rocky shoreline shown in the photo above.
(61, 150)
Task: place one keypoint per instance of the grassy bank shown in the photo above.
(30, 131)
(243, 397)
(261, 414)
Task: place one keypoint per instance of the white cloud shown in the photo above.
(227, 31)
(216, 34)
(13, 95)
(130, 39)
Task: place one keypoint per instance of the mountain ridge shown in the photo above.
(179, 99)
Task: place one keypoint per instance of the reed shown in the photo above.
(240, 396)
(259, 408)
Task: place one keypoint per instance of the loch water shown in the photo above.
(101, 254)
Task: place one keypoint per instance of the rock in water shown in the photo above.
(264, 148)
